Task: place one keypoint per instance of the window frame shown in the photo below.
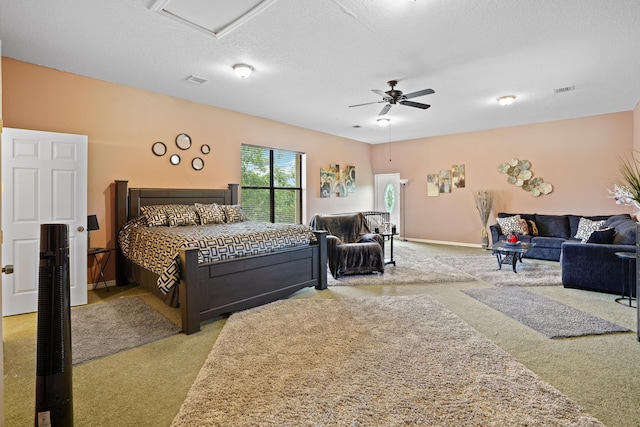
(271, 187)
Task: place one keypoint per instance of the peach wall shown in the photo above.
(579, 157)
(636, 127)
(122, 123)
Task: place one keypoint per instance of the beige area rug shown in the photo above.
(411, 267)
(485, 267)
(99, 330)
(379, 361)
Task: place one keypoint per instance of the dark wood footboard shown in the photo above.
(211, 289)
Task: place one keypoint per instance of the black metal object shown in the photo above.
(54, 398)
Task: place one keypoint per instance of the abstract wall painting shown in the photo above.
(433, 188)
(336, 182)
(457, 176)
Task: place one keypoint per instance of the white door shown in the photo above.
(387, 196)
(44, 179)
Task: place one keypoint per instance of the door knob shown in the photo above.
(81, 229)
(7, 269)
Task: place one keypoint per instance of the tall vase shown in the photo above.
(484, 237)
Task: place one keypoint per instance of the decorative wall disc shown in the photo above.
(520, 174)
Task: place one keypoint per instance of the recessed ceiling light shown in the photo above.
(383, 121)
(243, 70)
(506, 100)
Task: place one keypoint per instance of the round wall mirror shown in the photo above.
(197, 163)
(183, 141)
(159, 149)
(174, 159)
(205, 149)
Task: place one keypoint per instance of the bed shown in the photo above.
(208, 289)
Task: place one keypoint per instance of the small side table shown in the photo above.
(388, 236)
(101, 266)
(628, 277)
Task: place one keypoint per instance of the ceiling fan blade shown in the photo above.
(366, 103)
(415, 104)
(419, 93)
(379, 92)
(384, 110)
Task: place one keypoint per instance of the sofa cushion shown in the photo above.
(625, 229)
(625, 233)
(548, 242)
(553, 225)
(586, 227)
(602, 236)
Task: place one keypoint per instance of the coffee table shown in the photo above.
(508, 252)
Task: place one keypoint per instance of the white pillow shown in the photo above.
(512, 223)
(586, 227)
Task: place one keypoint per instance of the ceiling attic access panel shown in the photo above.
(214, 17)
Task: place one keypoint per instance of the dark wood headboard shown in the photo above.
(130, 200)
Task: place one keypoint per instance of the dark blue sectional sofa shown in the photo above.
(589, 266)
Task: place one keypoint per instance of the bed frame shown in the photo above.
(208, 290)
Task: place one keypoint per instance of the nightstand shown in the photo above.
(106, 252)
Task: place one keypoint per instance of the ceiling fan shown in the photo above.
(394, 96)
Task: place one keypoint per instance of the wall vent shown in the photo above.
(564, 89)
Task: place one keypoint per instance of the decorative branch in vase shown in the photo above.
(484, 203)
(627, 192)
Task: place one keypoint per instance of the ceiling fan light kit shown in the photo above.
(383, 121)
(506, 100)
(243, 70)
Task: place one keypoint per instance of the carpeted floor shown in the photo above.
(551, 318)
(402, 360)
(98, 330)
(411, 267)
(485, 267)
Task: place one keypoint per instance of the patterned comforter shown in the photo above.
(156, 248)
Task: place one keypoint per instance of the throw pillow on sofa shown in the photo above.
(602, 236)
(586, 227)
(512, 224)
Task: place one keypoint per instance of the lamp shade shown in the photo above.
(92, 223)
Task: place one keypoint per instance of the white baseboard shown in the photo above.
(442, 242)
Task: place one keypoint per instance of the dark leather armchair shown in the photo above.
(351, 247)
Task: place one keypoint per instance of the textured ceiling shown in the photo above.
(313, 58)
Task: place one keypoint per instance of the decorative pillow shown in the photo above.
(533, 229)
(210, 214)
(524, 227)
(179, 215)
(512, 223)
(155, 215)
(234, 213)
(603, 236)
(586, 227)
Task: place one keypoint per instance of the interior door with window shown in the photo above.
(44, 177)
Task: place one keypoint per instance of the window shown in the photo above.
(271, 184)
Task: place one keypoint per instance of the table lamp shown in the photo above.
(92, 224)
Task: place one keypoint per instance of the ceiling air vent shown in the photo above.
(564, 89)
(196, 79)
